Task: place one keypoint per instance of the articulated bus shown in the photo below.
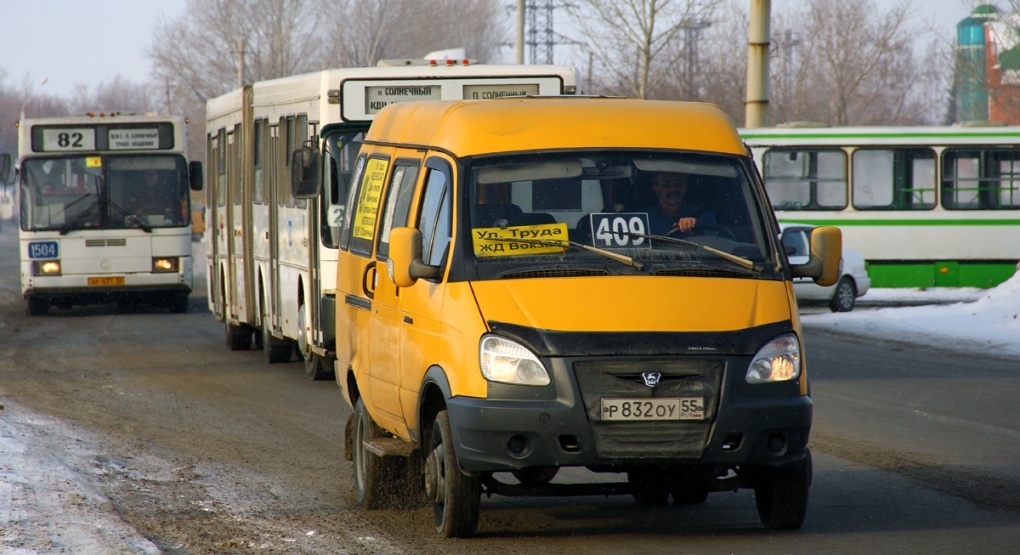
(272, 256)
(104, 210)
(927, 206)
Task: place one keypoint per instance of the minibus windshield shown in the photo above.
(615, 212)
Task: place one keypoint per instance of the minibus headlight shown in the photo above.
(507, 361)
(778, 360)
(46, 268)
(164, 265)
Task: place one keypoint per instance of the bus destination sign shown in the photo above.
(491, 91)
(134, 138)
(377, 98)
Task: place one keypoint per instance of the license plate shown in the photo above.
(115, 280)
(673, 408)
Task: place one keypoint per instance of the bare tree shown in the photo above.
(201, 50)
(634, 42)
(118, 95)
(410, 29)
(859, 60)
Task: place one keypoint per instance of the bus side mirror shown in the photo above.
(826, 257)
(404, 264)
(304, 173)
(195, 176)
(5, 167)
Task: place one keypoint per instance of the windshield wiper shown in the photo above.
(73, 224)
(621, 258)
(141, 225)
(743, 262)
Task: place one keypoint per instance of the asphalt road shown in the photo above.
(205, 450)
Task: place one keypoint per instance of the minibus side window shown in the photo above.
(398, 202)
(434, 222)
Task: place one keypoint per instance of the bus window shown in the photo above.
(985, 179)
(894, 179)
(258, 194)
(806, 179)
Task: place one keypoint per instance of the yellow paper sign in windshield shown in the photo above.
(520, 240)
(370, 195)
(93, 162)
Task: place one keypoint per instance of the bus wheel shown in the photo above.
(375, 478)
(238, 337)
(275, 348)
(455, 496)
(178, 304)
(38, 306)
(781, 495)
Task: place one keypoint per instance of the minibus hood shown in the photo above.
(634, 303)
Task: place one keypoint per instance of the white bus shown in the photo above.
(104, 210)
(272, 257)
(927, 206)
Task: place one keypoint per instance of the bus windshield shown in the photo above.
(104, 192)
(530, 215)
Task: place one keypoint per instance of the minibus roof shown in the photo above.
(470, 127)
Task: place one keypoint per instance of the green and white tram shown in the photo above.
(927, 206)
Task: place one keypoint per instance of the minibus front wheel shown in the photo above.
(455, 496)
(781, 495)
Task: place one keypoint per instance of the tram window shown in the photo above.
(981, 179)
(894, 179)
(806, 179)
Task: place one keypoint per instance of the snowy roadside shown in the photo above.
(50, 498)
(981, 322)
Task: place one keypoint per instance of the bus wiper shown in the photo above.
(743, 262)
(141, 225)
(622, 259)
(77, 221)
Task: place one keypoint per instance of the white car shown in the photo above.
(853, 280)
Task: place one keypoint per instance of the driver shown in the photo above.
(670, 213)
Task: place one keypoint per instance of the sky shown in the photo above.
(72, 42)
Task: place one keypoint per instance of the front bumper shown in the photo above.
(560, 425)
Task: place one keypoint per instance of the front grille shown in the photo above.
(657, 439)
(106, 242)
(553, 273)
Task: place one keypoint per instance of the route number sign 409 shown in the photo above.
(614, 230)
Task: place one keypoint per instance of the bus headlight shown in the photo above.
(507, 361)
(778, 360)
(46, 268)
(164, 265)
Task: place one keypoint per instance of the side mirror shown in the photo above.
(405, 265)
(5, 167)
(195, 176)
(304, 173)
(826, 257)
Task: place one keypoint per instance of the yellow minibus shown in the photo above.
(529, 285)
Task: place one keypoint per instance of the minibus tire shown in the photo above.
(375, 478)
(455, 496)
(781, 495)
(648, 486)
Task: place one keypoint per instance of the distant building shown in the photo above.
(988, 67)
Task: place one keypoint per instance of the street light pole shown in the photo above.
(31, 90)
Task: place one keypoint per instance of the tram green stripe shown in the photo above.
(850, 222)
(831, 135)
